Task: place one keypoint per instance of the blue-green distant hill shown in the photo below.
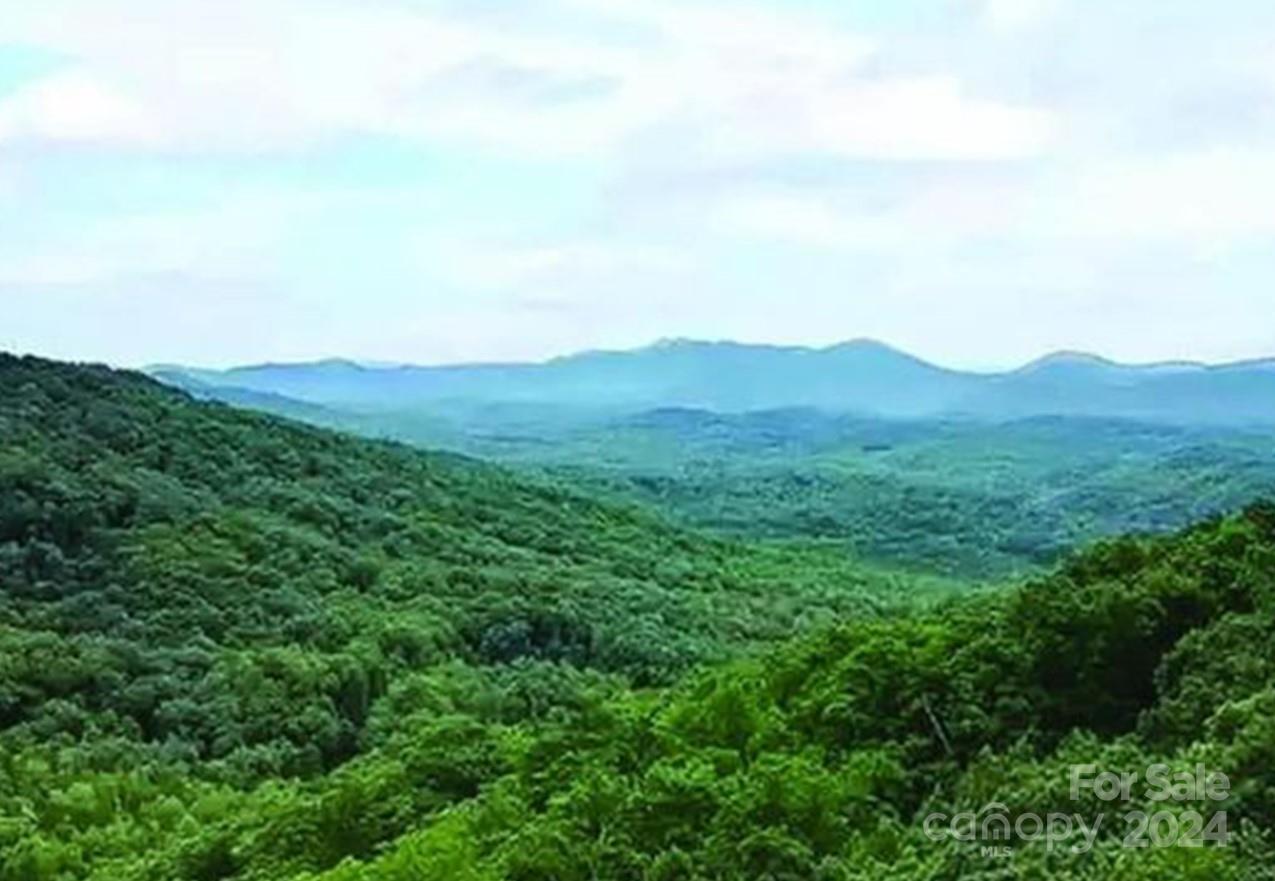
(863, 377)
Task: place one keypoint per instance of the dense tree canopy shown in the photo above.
(236, 648)
(961, 497)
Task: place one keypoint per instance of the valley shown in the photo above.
(236, 647)
(981, 495)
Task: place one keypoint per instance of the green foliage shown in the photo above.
(820, 759)
(966, 498)
(235, 648)
(228, 607)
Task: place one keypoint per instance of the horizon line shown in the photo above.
(384, 365)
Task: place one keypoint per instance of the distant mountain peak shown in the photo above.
(327, 364)
(858, 344)
(868, 344)
(1086, 361)
(690, 344)
(1067, 358)
(862, 342)
(677, 342)
(862, 375)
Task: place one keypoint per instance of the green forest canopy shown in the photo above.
(958, 496)
(233, 647)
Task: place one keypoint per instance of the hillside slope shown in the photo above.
(157, 555)
(855, 754)
(236, 648)
(961, 497)
(827, 758)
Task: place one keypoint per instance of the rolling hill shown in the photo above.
(233, 648)
(236, 648)
(863, 377)
(1019, 467)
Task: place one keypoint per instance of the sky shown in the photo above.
(975, 181)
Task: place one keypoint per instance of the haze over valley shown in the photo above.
(883, 454)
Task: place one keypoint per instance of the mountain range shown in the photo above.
(861, 376)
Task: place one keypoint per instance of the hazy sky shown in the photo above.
(977, 181)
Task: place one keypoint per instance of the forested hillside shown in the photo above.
(189, 589)
(968, 499)
(831, 757)
(232, 647)
(963, 498)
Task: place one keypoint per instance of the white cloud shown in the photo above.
(1205, 202)
(966, 156)
(76, 107)
(490, 266)
(236, 236)
(1209, 197)
(1013, 15)
(800, 219)
(942, 214)
(899, 119)
(246, 75)
(263, 75)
